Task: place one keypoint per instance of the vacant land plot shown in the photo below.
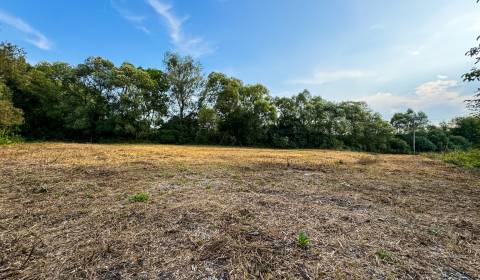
(178, 212)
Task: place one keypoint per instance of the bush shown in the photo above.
(167, 136)
(424, 145)
(281, 142)
(468, 159)
(7, 137)
(398, 146)
(458, 143)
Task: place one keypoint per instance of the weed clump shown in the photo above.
(139, 197)
(384, 255)
(303, 241)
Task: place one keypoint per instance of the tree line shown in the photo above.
(97, 101)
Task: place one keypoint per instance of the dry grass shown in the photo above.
(229, 213)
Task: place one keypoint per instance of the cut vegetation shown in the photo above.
(183, 212)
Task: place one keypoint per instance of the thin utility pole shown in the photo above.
(414, 140)
(414, 128)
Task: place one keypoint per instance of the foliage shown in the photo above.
(398, 146)
(468, 159)
(303, 241)
(456, 143)
(469, 128)
(139, 197)
(424, 144)
(186, 81)
(99, 101)
(409, 121)
(7, 137)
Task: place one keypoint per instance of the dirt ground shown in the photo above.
(66, 212)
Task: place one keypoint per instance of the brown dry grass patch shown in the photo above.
(232, 213)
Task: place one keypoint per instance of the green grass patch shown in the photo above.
(384, 255)
(139, 197)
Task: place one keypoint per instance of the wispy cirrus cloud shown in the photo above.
(194, 46)
(33, 36)
(137, 20)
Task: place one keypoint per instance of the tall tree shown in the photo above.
(186, 83)
(409, 122)
(91, 113)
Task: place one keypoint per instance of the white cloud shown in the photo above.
(428, 95)
(33, 36)
(323, 77)
(194, 46)
(442, 77)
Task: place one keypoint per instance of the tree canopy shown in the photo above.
(99, 101)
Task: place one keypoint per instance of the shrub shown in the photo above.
(139, 197)
(468, 159)
(281, 142)
(424, 145)
(458, 143)
(398, 146)
(7, 137)
(167, 136)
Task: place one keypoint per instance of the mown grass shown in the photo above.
(89, 211)
(467, 159)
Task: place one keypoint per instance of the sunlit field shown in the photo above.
(185, 212)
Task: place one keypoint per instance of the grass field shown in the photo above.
(179, 212)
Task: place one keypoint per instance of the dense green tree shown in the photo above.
(207, 126)
(439, 137)
(410, 122)
(456, 142)
(186, 83)
(156, 99)
(467, 127)
(244, 112)
(131, 87)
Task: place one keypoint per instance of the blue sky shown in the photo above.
(392, 54)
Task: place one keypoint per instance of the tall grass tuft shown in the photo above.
(7, 137)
